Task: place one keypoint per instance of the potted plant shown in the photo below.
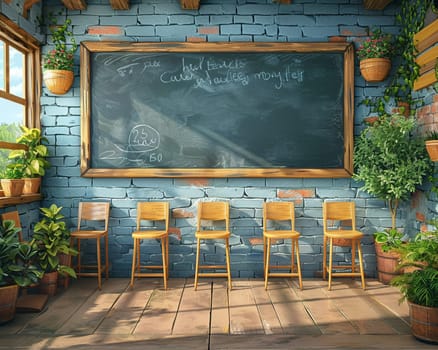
(12, 180)
(58, 63)
(375, 56)
(52, 238)
(431, 142)
(391, 162)
(17, 268)
(386, 243)
(419, 286)
(33, 158)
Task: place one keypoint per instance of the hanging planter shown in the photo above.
(58, 81)
(432, 149)
(375, 69)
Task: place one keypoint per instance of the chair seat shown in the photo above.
(280, 234)
(149, 234)
(212, 234)
(346, 234)
(88, 234)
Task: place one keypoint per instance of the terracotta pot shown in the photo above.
(8, 301)
(432, 149)
(31, 185)
(49, 283)
(64, 281)
(375, 69)
(424, 322)
(58, 81)
(12, 187)
(386, 264)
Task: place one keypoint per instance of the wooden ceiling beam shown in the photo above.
(375, 4)
(119, 4)
(75, 4)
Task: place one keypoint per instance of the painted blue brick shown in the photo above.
(184, 192)
(254, 29)
(81, 182)
(76, 192)
(281, 183)
(292, 32)
(67, 140)
(246, 203)
(326, 9)
(241, 213)
(295, 20)
(83, 20)
(153, 19)
(75, 130)
(151, 182)
(256, 9)
(243, 19)
(168, 9)
(335, 193)
(68, 120)
(246, 182)
(202, 20)
(222, 19)
(146, 194)
(118, 20)
(375, 21)
(218, 38)
(59, 130)
(264, 19)
(225, 192)
(47, 121)
(176, 31)
(104, 192)
(55, 110)
(67, 151)
(181, 19)
(229, 29)
(209, 9)
(242, 38)
(335, 20)
(98, 10)
(107, 182)
(145, 9)
(261, 192)
(271, 30)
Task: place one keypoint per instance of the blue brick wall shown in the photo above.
(303, 20)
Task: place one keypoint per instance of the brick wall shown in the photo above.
(303, 20)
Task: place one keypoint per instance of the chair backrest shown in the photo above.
(339, 211)
(213, 211)
(153, 211)
(15, 217)
(278, 211)
(93, 211)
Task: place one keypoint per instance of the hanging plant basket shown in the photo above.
(432, 149)
(375, 69)
(58, 81)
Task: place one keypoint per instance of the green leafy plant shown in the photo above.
(62, 56)
(411, 20)
(390, 161)
(34, 157)
(52, 237)
(389, 239)
(13, 171)
(17, 260)
(378, 45)
(420, 256)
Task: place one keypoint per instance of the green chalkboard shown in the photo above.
(216, 110)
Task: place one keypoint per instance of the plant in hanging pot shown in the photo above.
(58, 63)
(33, 158)
(375, 54)
(431, 142)
(419, 286)
(391, 162)
(17, 268)
(52, 238)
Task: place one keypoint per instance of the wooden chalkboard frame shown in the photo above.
(87, 48)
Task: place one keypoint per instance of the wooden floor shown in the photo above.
(248, 317)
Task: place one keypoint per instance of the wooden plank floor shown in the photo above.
(247, 317)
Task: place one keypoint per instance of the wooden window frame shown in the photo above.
(13, 35)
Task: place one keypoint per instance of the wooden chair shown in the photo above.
(155, 212)
(280, 213)
(210, 214)
(96, 213)
(335, 214)
(15, 217)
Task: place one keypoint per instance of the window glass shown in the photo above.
(16, 73)
(11, 117)
(2, 66)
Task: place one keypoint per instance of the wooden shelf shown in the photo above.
(375, 4)
(9, 201)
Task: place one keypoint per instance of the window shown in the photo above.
(19, 84)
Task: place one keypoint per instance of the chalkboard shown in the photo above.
(184, 109)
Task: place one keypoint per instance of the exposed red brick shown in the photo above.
(338, 39)
(434, 107)
(196, 39)
(196, 182)
(424, 228)
(302, 193)
(175, 231)
(208, 30)
(435, 98)
(371, 120)
(420, 217)
(256, 241)
(105, 30)
(182, 213)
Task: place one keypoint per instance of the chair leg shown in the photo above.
(362, 275)
(198, 248)
(324, 259)
(353, 256)
(167, 255)
(163, 253)
(268, 253)
(99, 277)
(134, 260)
(264, 255)
(106, 258)
(227, 256)
(297, 250)
(78, 262)
(330, 264)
